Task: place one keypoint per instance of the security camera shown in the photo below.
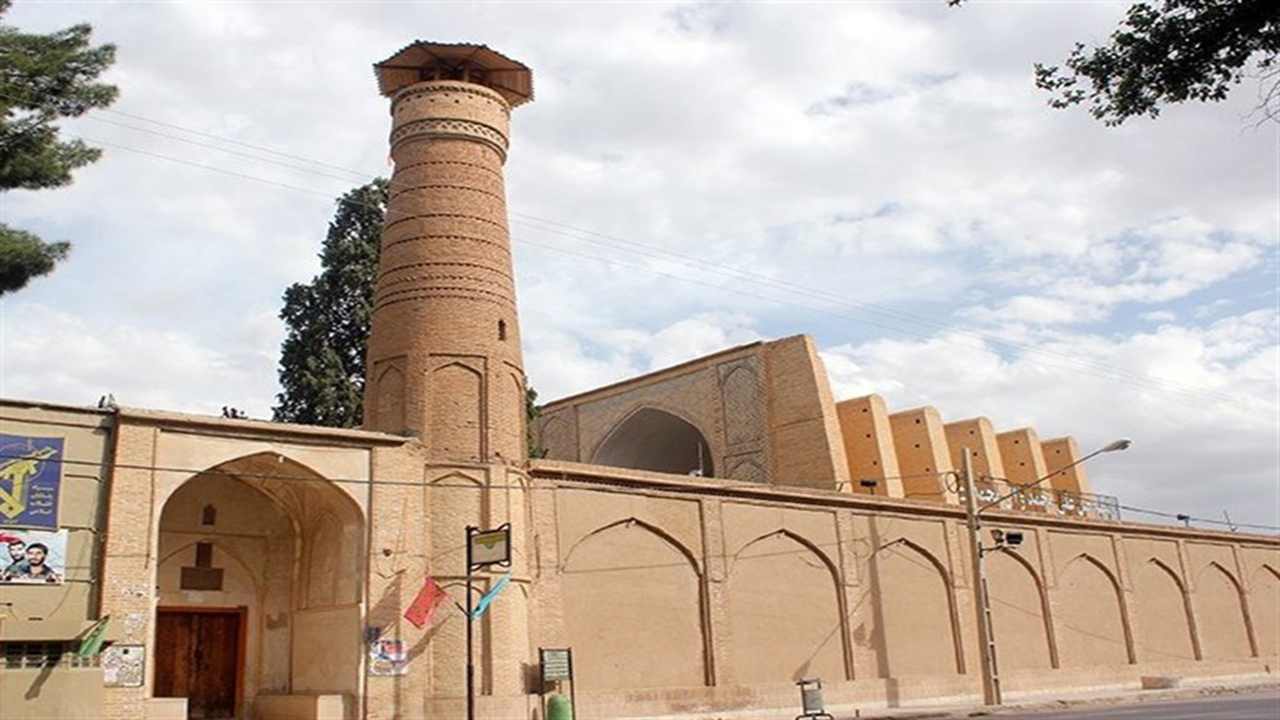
(1007, 538)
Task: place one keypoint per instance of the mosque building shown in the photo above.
(700, 538)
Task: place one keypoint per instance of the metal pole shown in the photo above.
(471, 668)
(573, 688)
(986, 632)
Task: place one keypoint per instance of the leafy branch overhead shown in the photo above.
(43, 78)
(1171, 52)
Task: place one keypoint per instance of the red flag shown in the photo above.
(423, 607)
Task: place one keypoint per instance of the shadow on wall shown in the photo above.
(650, 439)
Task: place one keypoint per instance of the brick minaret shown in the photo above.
(444, 361)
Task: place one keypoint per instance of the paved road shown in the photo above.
(1258, 706)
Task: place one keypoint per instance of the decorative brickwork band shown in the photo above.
(444, 337)
(425, 129)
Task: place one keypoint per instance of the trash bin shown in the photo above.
(811, 699)
(558, 708)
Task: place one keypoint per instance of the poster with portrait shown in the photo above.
(32, 557)
(30, 481)
(388, 658)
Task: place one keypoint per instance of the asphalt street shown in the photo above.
(1256, 706)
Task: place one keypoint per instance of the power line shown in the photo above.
(360, 481)
(1095, 369)
(1192, 518)
(834, 494)
(1068, 361)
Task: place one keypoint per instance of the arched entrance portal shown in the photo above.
(259, 587)
(650, 439)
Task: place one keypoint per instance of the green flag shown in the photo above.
(91, 645)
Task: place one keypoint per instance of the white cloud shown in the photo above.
(58, 357)
(889, 153)
(1200, 404)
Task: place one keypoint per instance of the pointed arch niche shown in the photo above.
(805, 633)
(1163, 621)
(633, 609)
(1220, 615)
(283, 549)
(916, 610)
(1091, 628)
(1266, 610)
(1018, 610)
(652, 439)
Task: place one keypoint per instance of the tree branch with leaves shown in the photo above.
(1171, 52)
(43, 78)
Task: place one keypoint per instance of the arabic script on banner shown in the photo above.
(30, 481)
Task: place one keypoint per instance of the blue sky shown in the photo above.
(693, 176)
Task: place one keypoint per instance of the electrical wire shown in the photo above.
(662, 253)
(1072, 362)
(645, 250)
(1192, 518)
(621, 482)
(1116, 374)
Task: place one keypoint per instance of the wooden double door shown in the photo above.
(199, 655)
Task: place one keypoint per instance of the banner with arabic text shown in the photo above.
(30, 481)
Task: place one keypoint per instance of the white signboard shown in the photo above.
(557, 664)
(489, 547)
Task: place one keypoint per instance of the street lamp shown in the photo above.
(986, 630)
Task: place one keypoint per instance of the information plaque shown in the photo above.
(557, 664)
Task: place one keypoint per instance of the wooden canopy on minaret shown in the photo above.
(422, 61)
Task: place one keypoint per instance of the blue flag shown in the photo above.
(489, 596)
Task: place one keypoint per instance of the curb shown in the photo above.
(1121, 698)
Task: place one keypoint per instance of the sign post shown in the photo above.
(557, 666)
(484, 548)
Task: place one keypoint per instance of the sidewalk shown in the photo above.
(1051, 701)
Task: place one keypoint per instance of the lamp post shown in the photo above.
(991, 694)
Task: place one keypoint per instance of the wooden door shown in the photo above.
(198, 657)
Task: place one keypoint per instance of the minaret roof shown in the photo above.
(511, 79)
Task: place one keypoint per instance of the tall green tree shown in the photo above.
(322, 358)
(43, 78)
(1171, 51)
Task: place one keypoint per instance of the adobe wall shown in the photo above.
(36, 621)
(747, 588)
(677, 594)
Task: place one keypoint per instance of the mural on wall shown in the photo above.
(30, 478)
(32, 556)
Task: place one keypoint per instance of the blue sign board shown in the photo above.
(30, 481)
